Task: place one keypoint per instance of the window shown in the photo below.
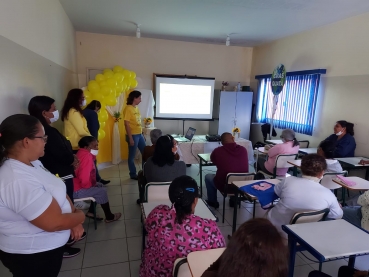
(296, 103)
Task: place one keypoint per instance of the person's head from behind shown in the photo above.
(165, 149)
(89, 143)
(256, 249)
(134, 98)
(289, 135)
(75, 100)
(22, 137)
(326, 149)
(155, 135)
(44, 109)
(343, 127)
(313, 165)
(184, 194)
(94, 105)
(226, 138)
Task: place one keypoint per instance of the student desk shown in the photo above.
(249, 197)
(274, 141)
(204, 160)
(353, 163)
(307, 151)
(361, 184)
(200, 261)
(327, 240)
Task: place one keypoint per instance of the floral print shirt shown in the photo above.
(168, 241)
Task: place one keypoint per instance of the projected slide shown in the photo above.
(184, 99)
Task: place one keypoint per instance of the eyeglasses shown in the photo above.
(44, 138)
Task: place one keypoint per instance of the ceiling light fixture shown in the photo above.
(228, 41)
(138, 31)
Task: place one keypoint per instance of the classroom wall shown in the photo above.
(342, 49)
(146, 56)
(38, 54)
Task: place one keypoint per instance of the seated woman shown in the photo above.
(344, 138)
(359, 213)
(162, 166)
(290, 145)
(85, 184)
(326, 150)
(304, 194)
(175, 231)
(256, 249)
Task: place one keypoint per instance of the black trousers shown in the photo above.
(43, 264)
(70, 188)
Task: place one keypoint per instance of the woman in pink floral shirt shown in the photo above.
(175, 231)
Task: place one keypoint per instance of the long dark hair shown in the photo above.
(182, 193)
(15, 128)
(85, 141)
(163, 154)
(256, 249)
(93, 105)
(328, 147)
(37, 105)
(348, 125)
(134, 94)
(72, 102)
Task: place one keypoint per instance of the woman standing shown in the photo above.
(36, 216)
(75, 124)
(344, 138)
(134, 137)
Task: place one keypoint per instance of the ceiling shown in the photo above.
(250, 22)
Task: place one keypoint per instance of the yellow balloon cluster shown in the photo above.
(106, 88)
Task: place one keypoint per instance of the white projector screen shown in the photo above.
(189, 98)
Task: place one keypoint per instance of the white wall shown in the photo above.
(147, 56)
(342, 49)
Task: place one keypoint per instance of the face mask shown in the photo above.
(284, 140)
(94, 152)
(84, 102)
(56, 116)
(339, 133)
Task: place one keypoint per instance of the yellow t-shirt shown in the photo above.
(133, 116)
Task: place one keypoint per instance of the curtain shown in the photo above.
(116, 157)
(296, 103)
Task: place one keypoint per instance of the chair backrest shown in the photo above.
(328, 182)
(181, 268)
(304, 143)
(282, 160)
(231, 177)
(155, 191)
(306, 217)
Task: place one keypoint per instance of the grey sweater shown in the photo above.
(166, 173)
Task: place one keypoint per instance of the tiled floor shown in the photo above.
(114, 249)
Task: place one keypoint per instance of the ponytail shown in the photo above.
(295, 142)
(348, 125)
(3, 154)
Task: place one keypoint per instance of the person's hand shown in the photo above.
(131, 142)
(80, 212)
(359, 273)
(340, 205)
(363, 162)
(75, 162)
(77, 232)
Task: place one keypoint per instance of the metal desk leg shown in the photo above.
(343, 189)
(253, 209)
(351, 262)
(235, 210)
(200, 165)
(292, 250)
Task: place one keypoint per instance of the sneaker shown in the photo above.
(81, 205)
(70, 252)
(104, 182)
(71, 241)
(134, 178)
(215, 205)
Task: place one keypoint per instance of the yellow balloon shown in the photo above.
(93, 86)
(102, 125)
(107, 70)
(105, 90)
(112, 83)
(108, 74)
(98, 96)
(87, 93)
(117, 68)
(102, 83)
(103, 115)
(99, 77)
(111, 100)
(119, 88)
(133, 75)
(133, 83)
(126, 73)
(119, 77)
(101, 134)
(88, 99)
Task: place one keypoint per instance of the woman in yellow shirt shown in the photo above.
(134, 137)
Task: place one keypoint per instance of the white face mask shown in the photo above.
(339, 133)
(84, 102)
(55, 118)
(94, 152)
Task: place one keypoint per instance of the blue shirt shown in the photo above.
(93, 124)
(345, 147)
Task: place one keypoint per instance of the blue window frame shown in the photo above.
(296, 103)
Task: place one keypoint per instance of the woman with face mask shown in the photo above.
(75, 124)
(344, 138)
(85, 184)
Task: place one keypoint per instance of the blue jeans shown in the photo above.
(140, 144)
(211, 188)
(353, 215)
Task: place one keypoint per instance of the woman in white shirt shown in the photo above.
(326, 150)
(304, 194)
(36, 215)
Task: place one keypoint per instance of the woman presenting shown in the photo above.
(134, 137)
(344, 138)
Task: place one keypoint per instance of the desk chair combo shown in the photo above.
(280, 162)
(327, 182)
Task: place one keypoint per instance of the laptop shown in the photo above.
(188, 137)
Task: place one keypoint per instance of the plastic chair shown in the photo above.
(156, 191)
(181, 268)
(329, 184)
(304, 143)
(235, 177)
(307, 217)
(94, 201)
(281, 162)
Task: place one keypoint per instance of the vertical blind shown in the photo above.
(296, 103)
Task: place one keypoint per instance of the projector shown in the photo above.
(212, 137)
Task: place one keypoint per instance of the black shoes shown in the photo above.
(134, 178)
(104, 182)
(215, 205)
(71, 241)
(70, 252)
